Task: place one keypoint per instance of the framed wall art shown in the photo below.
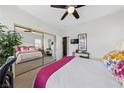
(82, 46)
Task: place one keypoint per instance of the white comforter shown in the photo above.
(82, 73)
(22, 57)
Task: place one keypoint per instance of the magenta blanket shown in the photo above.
(44, 74)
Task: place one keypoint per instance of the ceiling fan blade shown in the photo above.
(78, 6)
(59, 6)
(66, 13)
(75, 14)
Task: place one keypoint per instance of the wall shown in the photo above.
(104, 34)
(58, 47)
(28, 38)
(12, 14)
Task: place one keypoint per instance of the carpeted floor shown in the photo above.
(25, 80)
(27, 66)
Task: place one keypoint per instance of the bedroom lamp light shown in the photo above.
(121, 45)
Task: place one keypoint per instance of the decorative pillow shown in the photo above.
(31, 48)
(24, 48)
(118, 71)
(18, 48)
(112, 55)
(114, 62)
(112, 58)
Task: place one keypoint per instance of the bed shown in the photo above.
(27, 53)
(27, 56)
(75, 72)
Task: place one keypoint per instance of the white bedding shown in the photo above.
(22, 57)
(83, 73)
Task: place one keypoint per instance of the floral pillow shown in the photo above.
(118, 71)
(112, 58)
(114, 62)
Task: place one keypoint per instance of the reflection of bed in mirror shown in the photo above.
(28, 58)
(37, 49)
(31, 44)
(27, 53)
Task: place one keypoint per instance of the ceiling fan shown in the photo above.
(70, 9)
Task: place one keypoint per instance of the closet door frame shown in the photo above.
(42, 36)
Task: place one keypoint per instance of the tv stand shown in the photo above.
(83, 54)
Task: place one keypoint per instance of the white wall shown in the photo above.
(58, 47)
(12, 14)
(103, 34)
(28, 38)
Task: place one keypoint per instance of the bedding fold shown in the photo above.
(44, 74)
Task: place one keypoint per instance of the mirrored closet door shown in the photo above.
(29, 53)
(37, 49)
(49, 48)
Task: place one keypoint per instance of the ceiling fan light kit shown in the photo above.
(70, 9)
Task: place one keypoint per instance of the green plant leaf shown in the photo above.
(8, 41)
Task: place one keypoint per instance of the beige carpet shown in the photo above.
(25, 80)
(27, 66)
(48, 59)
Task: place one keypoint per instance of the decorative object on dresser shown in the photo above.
(82, 46)
(82, 54)
(49, 52)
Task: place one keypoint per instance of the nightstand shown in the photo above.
(83, 54)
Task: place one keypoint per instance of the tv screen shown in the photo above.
(74, 41)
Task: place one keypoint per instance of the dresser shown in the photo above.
(83, 54)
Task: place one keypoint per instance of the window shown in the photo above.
(38, 43)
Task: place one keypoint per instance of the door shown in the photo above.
(64, 46)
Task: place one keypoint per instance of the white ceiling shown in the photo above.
(52, 16)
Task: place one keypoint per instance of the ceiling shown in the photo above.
(52, 16)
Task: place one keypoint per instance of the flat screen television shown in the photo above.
(74, 41)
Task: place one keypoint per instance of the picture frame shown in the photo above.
(74, 41)
(82, 46)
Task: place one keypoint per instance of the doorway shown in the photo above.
(49, 48)
(65, 46)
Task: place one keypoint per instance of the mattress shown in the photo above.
(26, 56)
(78, 73)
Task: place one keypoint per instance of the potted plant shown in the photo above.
(8, 41)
